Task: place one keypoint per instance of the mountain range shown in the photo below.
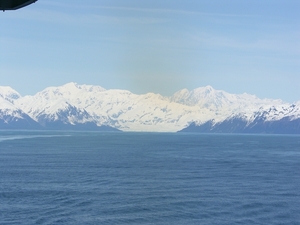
(87, 107)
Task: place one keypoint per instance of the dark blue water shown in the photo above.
(148, 178)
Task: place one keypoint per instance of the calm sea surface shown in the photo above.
(148, 178)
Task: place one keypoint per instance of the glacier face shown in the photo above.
(73, 105)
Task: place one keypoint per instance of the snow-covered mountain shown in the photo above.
(12, 117)
(72, 106)
(221, 102)
(282, 118)
(116, 108)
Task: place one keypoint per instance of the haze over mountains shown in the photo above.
(87, 107)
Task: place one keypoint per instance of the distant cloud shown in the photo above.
(272, 43)
(173, 11)
(65, 17)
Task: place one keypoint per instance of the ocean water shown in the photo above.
(148, 178)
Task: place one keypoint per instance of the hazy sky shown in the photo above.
(158, 46)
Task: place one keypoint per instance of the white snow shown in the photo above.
(9, 94)
(147, 112)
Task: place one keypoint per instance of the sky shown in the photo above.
(160, 46)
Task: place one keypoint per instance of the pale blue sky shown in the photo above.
(158, 46)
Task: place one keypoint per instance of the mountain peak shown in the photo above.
(71, 85)
(9, 94)
(209, 88)
(78, 104)
(204, 91)
(89, 88)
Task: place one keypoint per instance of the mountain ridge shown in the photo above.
(71, 106)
